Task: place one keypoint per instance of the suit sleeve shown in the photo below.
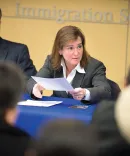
(46, 72)
(101, 88)
(26, 63)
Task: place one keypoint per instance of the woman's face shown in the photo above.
(72, 52)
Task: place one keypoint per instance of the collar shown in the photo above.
(78, 67)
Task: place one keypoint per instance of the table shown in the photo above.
(30, 118)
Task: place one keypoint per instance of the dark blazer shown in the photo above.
(111, 142)
(13, 141)
(19, 54)
(94, 79)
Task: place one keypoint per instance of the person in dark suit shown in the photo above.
(13, 141)
(70, 59)
(17, 53)
(112, 121)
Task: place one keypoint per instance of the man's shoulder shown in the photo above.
(9, 129)
(12, 44)
(11, 136)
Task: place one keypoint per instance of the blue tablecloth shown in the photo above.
(30, 117)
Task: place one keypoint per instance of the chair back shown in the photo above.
(115, 89)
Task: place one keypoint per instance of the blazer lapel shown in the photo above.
(3, 49)
(77, 81)
(58, 74)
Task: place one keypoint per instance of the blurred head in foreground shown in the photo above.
(122, 113)
(66, 137)
(113, 125)
(11, 87)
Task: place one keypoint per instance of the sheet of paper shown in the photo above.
(39, 103)
(58, 84)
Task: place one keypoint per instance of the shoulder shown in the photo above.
(94, 64)
(48, 59)
(9, 129)
(94, 61)
(14, 45)
(47, 62)
(8, 134)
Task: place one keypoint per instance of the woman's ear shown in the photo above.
(60, 52)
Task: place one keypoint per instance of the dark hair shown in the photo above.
(0, 13)
(63, 36)
(11, 86)
(67, 137)
(110, 140)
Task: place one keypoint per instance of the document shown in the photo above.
(58, 84)
(39, 103)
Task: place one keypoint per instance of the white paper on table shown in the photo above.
(39, 103)
(59, 84)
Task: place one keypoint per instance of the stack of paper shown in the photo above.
(39, 103)
(59, 84)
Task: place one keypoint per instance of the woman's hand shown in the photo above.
(78, 93)
(37, 90)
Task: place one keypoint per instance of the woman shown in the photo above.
(70, 59)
